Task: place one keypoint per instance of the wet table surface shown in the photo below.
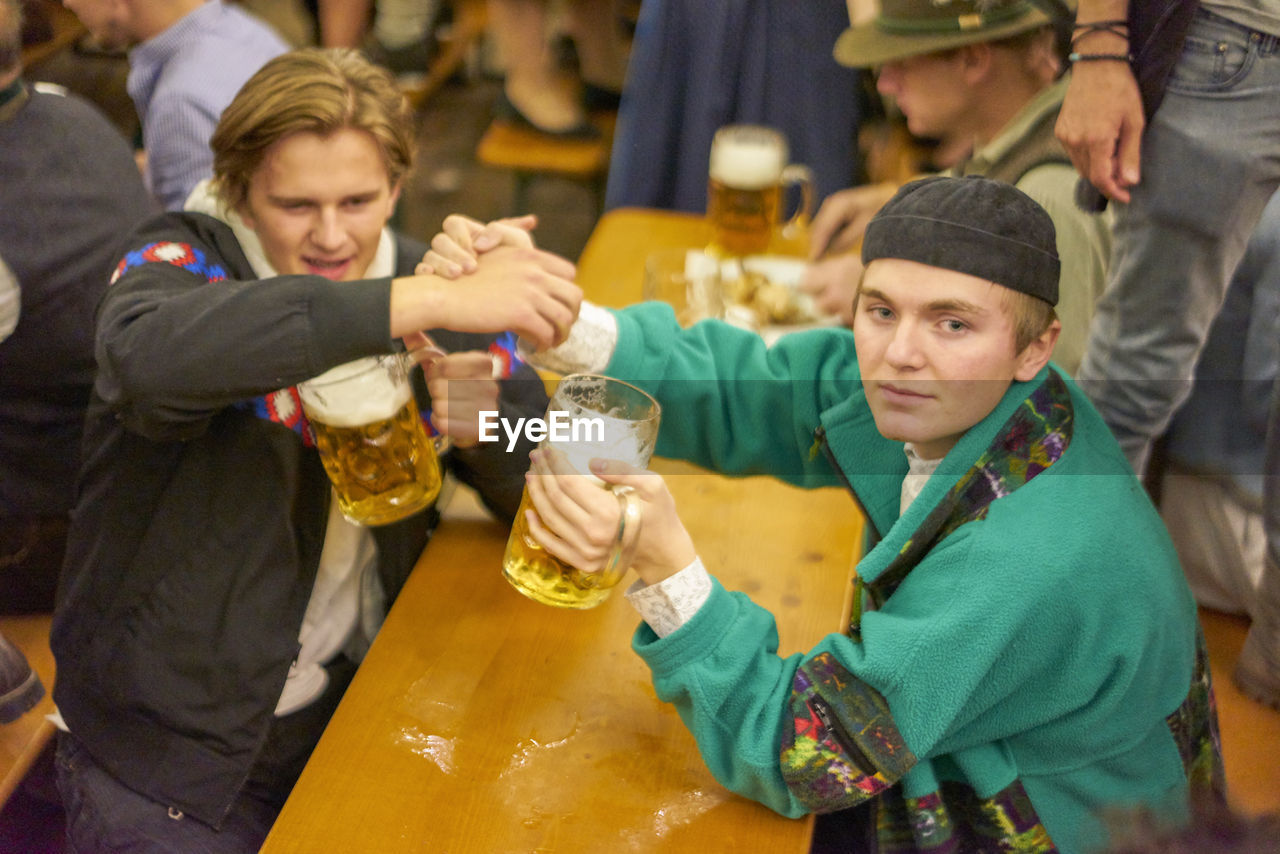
(482, 721)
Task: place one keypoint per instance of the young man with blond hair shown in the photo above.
(215, 601)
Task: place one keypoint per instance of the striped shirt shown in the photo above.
(181, 81)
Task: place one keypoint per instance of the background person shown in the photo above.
(994, 87)
(1193, 183)
(1212, 484)
(697, 65)
(215, 602)
(71, 193)
(187, 60)
(535, 92)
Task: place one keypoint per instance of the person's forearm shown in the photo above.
(418, 302)
(1090, 11)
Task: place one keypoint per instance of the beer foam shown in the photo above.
(746, 164)
(622, 441)
(353, 394)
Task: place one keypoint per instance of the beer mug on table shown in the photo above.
(588, 416)
(377, 454)
(747, 175)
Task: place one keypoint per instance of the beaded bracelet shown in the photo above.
(1099, 57)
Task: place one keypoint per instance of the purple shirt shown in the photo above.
(182, 80)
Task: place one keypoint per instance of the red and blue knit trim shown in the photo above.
(182, 255)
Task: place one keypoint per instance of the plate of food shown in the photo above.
(763, 292)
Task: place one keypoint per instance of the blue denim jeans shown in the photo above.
(1210, 162)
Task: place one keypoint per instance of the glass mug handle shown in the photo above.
(801, 176)
(416, 356)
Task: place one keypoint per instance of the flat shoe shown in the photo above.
(509, 112)
(598, 99)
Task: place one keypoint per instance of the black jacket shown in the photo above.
(202, 512)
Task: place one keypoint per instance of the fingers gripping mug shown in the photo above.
(602, 417)
(747, 173)
(371, 439)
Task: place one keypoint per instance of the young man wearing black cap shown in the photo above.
(1025, 652)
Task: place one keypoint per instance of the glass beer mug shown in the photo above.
(746, 177)
(377, 454)
(599, 417)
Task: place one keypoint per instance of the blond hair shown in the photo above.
(315, 90)
(1031, 317)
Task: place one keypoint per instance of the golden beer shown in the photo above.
(628, 419)
(742, 219)
(545, 578)
(747, 172)
(383, 471)
(371, 440)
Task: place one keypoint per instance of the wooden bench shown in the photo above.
(22, 741)
(529, 154)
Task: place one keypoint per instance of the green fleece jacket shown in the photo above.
(1027, 652)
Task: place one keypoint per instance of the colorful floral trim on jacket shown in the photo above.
(1195, 729)
(954, 820)
(845, 748)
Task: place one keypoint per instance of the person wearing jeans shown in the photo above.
(1193, 184)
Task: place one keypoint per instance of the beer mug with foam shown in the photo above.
(377, 454)
(588, 416)
(748, 173)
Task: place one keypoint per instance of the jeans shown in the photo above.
(1210, 162)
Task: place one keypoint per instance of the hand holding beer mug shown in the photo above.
(377, 454)
(688, 280)
(747, 174)
(578, 522)
(589, 416)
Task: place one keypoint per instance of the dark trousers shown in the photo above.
(104, 815)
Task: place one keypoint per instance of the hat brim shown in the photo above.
(868, 46)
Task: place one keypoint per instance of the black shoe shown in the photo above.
(20, 687)
(509, 112)
(597, 99)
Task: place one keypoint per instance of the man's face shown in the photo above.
(108, 21)
(930, 90)
(936, 351)
(318, 203)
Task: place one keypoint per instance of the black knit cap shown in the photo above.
(973, 225)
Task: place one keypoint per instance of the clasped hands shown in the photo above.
(574, 519)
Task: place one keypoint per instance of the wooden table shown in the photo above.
(484, 722)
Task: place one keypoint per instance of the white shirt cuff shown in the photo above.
(588, 349)
(672, 602)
